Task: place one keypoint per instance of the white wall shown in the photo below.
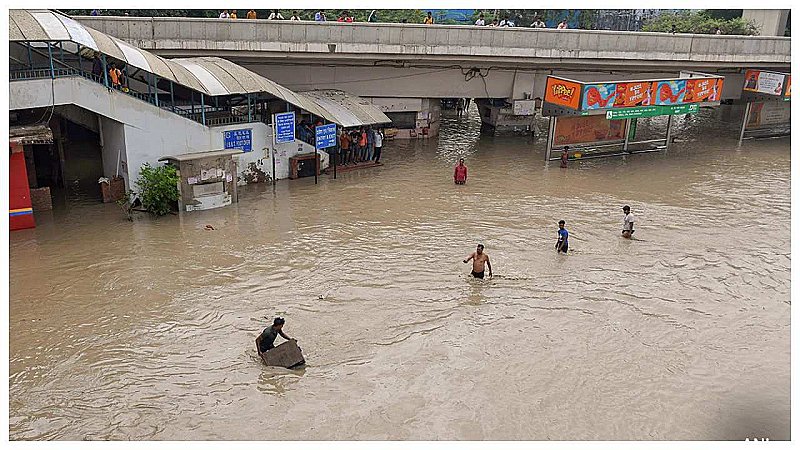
(112, 139)
(146, 132)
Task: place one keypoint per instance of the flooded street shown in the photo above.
(146, 330)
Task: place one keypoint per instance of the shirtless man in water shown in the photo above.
(478, 260)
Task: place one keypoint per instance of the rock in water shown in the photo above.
(286, 355)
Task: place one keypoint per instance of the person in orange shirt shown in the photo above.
(344, 143)
(114, 75)
(428, 19)
(362, 145)
(233, 14)
(251, 14)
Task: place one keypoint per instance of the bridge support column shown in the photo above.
(772, 22)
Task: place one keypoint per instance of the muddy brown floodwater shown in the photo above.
(145, 330)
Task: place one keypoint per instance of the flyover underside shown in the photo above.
(246, 57)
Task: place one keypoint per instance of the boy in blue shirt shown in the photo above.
(563, 238)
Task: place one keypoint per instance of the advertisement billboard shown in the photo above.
(588, 129)
(669, 92)
(770, 83)
(768, 114)
(637, 93)
(598, 96)
(788, 86)
(562, 92)
(701, 90)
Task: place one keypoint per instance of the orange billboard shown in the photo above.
(563, 92)
(586, 129)
(789, 86)
(703, 90)
(633, 94)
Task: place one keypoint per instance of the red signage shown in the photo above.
(562, 92)
(701, 90)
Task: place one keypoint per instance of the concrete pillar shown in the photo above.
(772, 22)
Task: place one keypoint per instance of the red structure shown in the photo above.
(20, 210)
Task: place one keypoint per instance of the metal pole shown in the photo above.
(669, 131)
(335, 157)
(203, 107)
(192, 103)
(550, 132)
(50, 57)
(105, 69)
(249, 111)
(274, 150)
(744, 121)
(316, 164)
(30, 55)
(627, 135)
(155, 87)
(171, 96)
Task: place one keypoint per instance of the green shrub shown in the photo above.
(158, 188)
(700, 23)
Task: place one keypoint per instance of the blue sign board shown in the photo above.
(326, 136)
(241, 139)
(284, 127)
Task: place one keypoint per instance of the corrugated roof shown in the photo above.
(211, 76)
(347, 110)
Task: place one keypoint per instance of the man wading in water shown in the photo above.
(265, 341)
(627, 222)
(460, 174)
(478, 260)
(563, 238)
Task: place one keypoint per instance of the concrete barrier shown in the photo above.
(519, 46)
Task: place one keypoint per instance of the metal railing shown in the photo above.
(195, 115)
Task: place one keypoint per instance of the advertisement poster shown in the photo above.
(599, 96)
(788, 86)
(586, 129)
(633, 94)
(700, 90)
(670, 92)
(764, 82)
(562, 92)
(768, 114)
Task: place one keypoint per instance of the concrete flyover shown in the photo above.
(376, 44)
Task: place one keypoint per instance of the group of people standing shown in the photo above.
(359, 145)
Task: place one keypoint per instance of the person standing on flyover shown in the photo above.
(563, 238)
(478, 260)
(252, 14)
(627, 222)
(460, 173)
(428, 19)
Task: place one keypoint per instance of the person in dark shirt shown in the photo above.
(563, 238)
(266, 340)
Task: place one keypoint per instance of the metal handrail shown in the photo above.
(197, 116)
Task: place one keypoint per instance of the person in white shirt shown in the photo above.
(378, 138)
(562, 25)
(480, 22)
(295, 16)
(627, 222)
(224, 15)
(275, 15)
